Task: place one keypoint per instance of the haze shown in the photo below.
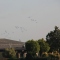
(28, 19)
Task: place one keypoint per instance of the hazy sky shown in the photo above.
(28, 19)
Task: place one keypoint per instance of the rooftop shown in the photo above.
(7, 43)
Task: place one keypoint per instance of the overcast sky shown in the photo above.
(28, 19)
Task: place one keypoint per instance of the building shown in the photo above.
(17, 45)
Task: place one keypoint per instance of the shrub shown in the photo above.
(45, 55)
(9, 53)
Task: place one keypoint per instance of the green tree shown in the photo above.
(44, 46)
(10, 53)
(32, 48)
(53, 38)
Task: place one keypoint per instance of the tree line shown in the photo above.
(38, 47)
(51, 44)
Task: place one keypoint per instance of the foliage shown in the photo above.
(13, 59)
(1, 54)
(54, 56)
(41, 58)
(32, 48)
(44, 46)
(45, 54)
(53, 38)
(10, 53)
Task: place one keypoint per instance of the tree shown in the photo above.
(53, 38)
(44, 46)
(32, 48)
(9, 53)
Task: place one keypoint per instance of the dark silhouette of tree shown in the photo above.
(53, 38)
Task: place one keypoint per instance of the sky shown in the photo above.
(23, 20)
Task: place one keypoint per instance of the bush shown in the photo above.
(9, 53)
(1, 54)
(54, 56)
(41, 58)
(45, 54)
(13, 59)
